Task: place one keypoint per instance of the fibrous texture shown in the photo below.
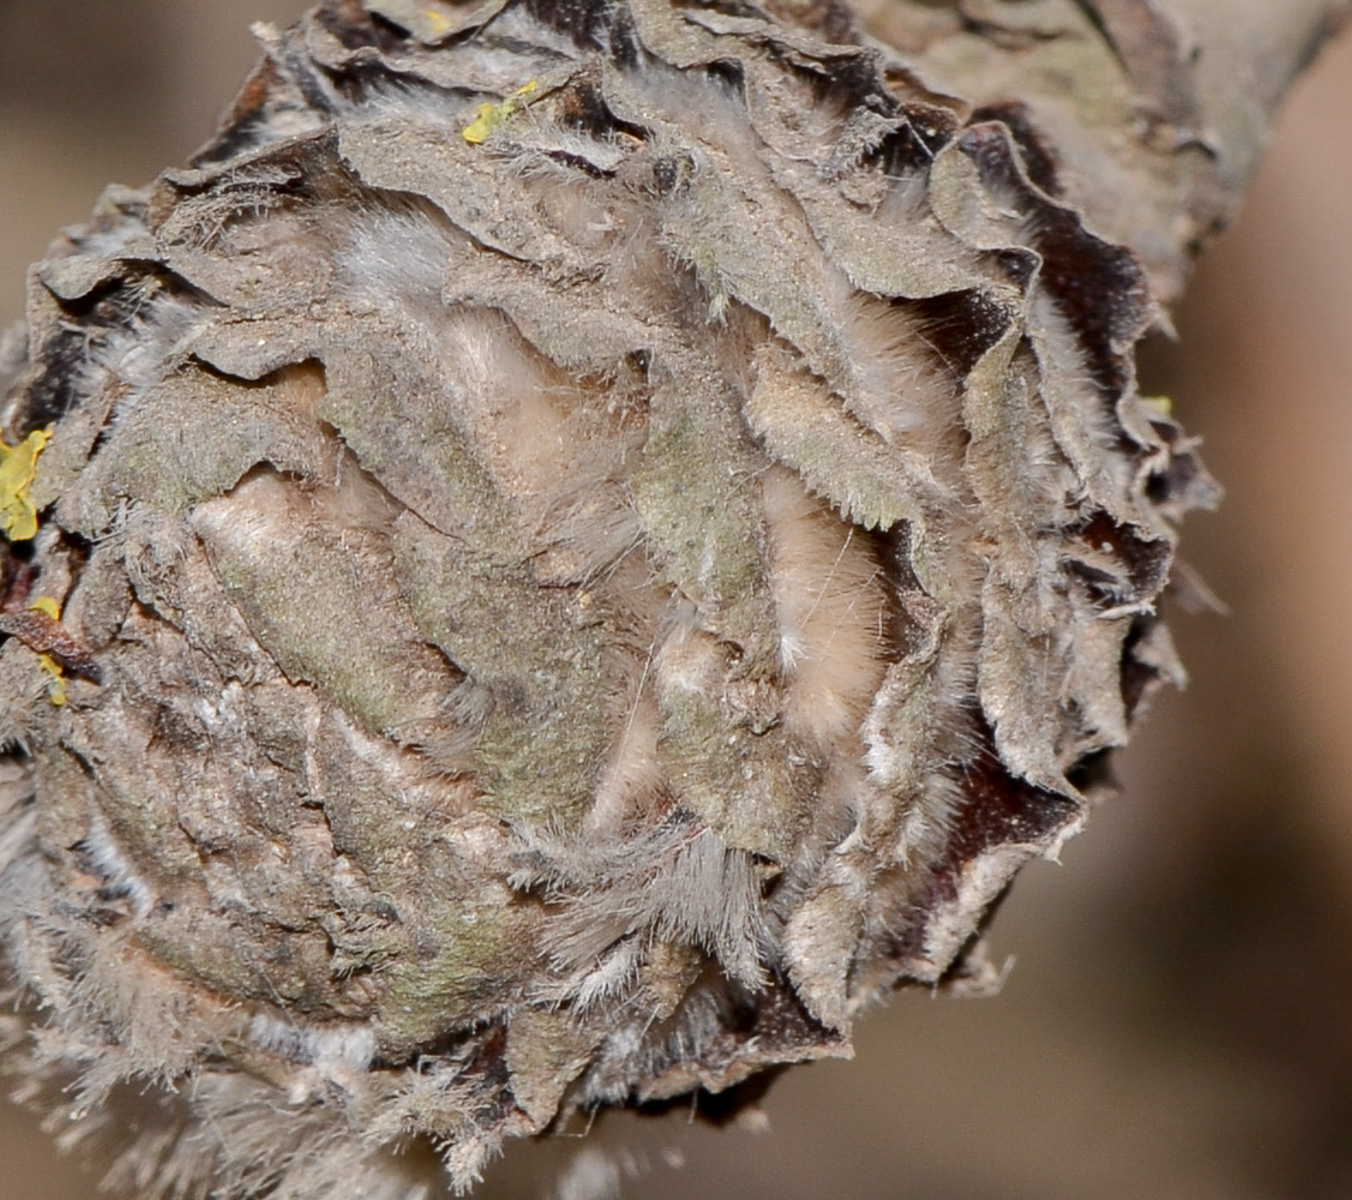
(579, 544)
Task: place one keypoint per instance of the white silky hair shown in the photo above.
(352, 1045)
(678, 883)
(832, 605)
(141, 354)
(897, 386)
(106, 857)
(397, 254)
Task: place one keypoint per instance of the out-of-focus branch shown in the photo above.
(1159, 109)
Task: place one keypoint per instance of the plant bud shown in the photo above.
(578, 544)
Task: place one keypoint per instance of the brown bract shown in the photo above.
(580, 609)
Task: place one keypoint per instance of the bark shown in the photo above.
(577, 546)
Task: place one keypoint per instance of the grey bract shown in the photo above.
(609, 533)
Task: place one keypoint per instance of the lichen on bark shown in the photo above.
(608, 533)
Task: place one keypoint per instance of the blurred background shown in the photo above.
(1178, 1021)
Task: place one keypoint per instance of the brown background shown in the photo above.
(1178, 1024)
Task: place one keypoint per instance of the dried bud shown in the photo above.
(592, 540)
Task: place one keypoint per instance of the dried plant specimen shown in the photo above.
(587, 542)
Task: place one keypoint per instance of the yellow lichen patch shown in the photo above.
(56, 687)
(491, 116)
(438, 22)
(18, 465)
